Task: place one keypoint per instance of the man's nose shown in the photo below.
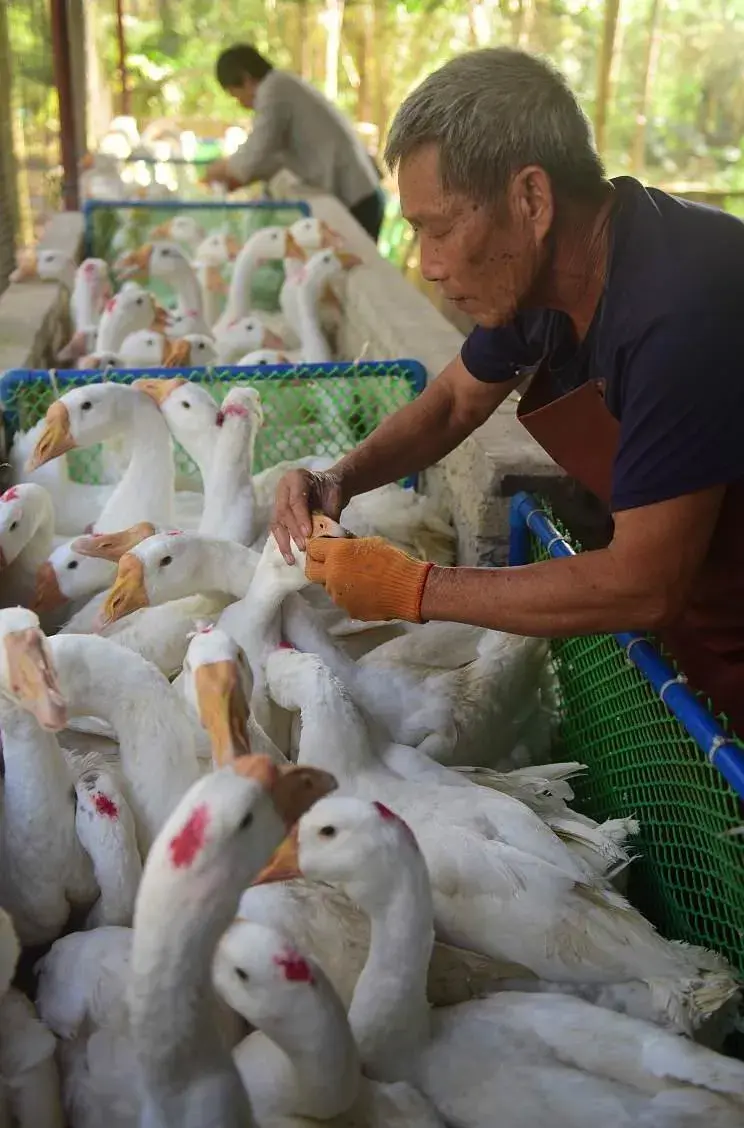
(432, 266)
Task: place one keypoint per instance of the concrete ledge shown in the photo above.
(34, 317)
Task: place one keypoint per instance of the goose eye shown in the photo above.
(241, 974)
(140, 301)
(72, 565)
(246, 821)
(13, 525)
(186, 404)
(166, 561)
(87, 406)
(328, 831)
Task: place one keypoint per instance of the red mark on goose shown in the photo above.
(89, 269)
(296, 969)
(11, 494)
(391, 816)
(206, 630)
(174, 533)
(286, 646)
(111, 305)
(105, 806)
(235, 409)
(189, 841)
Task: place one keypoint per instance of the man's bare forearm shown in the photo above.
(415, 437)
(586, 594)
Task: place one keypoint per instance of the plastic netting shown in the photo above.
(321, 410)
(113, 228)
(688, 877)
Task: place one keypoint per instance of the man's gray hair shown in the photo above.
(491, 113)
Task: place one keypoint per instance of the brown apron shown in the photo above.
(581, 436)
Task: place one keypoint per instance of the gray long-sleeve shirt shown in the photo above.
(295, 127)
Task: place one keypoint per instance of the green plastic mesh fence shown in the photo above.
(321, 410)
(689, 876)
(115, 229)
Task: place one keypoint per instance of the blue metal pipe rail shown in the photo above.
(527, 519)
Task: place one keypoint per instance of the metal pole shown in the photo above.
(63, 82)
(122, 57)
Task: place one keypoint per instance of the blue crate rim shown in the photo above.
(201, 205)
(528, 518)
(412, 371)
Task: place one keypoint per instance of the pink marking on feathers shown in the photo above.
(391, 816)
(90, 269)
(206, 630)
(296, 969)
(286, 646)
(174, 533)
(235, 409)
(111, 305)
(105, 806)
(10, 494)
(190, 839)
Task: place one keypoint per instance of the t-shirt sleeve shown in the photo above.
(497, 355)
(682, 409)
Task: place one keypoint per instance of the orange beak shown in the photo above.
(55, 439)
(330, 238)
(128, 593)
(112, 546)
(284, 864)
(223, 710)
(347, 260)
(136, 263)
(177, 354)
(33, 678)
(271, 340)
(159, 389)
(161, 320)
(292, 248)
(216, 284)
(162, 231)
(233, 247)
(47, 593)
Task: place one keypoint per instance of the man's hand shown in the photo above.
(218, 172)
(368, 577)
(299, 494)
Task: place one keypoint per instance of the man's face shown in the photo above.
(486, 259)
(245, 93)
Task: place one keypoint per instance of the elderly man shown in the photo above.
(628, 305)
(295, 127)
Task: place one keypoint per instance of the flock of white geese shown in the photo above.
(211, 278)
(439, 940)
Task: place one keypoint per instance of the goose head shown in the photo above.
(27, 674)
(359, 847)
(193, 350)
(229, 822)
(143, 349)
(43, 266)
(129, 311)
(179, 229)
(103, 819)
(242, 403)
(164, 260)
(181, 323)
(69, 575)
(190, 412)
(217, 249)
(325, 265)
(218, 683)
(243, 335)
(85, 416)
(22, 509)
(155, 571)
(262, 976)
(269, 244)
(313, 234)
(259, 358)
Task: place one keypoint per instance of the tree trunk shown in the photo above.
(601, 105)
(651, 58)
(8, 193)
(334, 14)
(379, 46)
(362, 43)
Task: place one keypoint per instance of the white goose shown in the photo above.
(85, 416)
(26, 538)
(218, 838)
(166, 262)
(535, 1058)
(90, 292)
(301, 1066)
(146, 349)
(45, 871)
(29, 1084)
(243, 335)
(123, 314)
(267, 244)
(301, 297)
(504, 883)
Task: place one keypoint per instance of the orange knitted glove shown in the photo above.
(368, 577)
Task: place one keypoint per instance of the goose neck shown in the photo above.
(186, 285)
(226, 567)
(239, 294)
(146, 488)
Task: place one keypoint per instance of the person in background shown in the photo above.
(296, 128)
(627, 306)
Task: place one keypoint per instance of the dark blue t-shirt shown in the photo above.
(667, 337)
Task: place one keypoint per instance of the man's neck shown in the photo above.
(575, 276)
